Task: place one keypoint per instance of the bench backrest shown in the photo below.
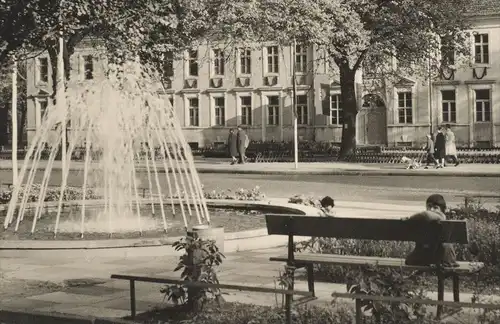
(449, 231)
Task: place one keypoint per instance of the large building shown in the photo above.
(212, 93)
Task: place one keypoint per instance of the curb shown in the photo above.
(233, 241)
(332, 172)
(417, 173)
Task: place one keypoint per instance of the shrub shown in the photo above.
(236, 313)
(51, 194)
(240, 194)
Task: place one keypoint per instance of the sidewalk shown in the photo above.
(308, 168)
(110, 298)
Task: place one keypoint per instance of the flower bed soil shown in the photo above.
(233, 220)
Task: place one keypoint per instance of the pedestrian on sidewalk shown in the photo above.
(440, 147)
(450, 147)
(430, 152)
(241, 140)
(232, 143)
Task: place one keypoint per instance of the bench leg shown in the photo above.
(310, 278)
(132, 299)
(440, 295)
(359, 312)
(456, 288)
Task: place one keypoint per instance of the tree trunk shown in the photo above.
(349, 111)
(22, 125)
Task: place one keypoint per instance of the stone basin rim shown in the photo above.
(155, 242)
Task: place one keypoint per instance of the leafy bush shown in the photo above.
(51, 194)
(198, 264)
(305, 200)
(240, 194)
(311, 201)
(484, 239)
(235, 313)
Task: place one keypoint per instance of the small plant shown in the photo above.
(282, 281)
(388, 282)
(198, 264)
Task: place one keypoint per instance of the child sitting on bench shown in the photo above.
(426, 254)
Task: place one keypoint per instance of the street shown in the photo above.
(397, 189)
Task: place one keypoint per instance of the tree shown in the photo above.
(352, 31)
(6, 103)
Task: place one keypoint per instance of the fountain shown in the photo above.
(116, 121)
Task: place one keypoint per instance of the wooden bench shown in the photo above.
(450, 231)
(165, 280)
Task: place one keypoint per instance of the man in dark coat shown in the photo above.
(232, 143)
(430, 152)
(440, 147)
(241, 140)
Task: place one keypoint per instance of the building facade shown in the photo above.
(212, 92)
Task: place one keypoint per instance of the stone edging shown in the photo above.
(232, 238)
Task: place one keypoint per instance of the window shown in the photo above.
(43, 108)
(193, 63)
(273, 110)
(405, 109)
(272, 59)
(246, 110)
(449, 106)
(220, 111)
(481, 49)
(88, 67)
(302, 110)
(483, 105)
(219, 62)
(245, 61)
(194, 112)
(336, 110)
(300, 58)
(168, 65)
(43, 69)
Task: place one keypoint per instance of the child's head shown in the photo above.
(327, 202)
(435, 202)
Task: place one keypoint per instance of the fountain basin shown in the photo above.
(233, 239)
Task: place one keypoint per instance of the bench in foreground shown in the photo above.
(450, 231)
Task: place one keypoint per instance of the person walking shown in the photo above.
(450, 147)
(430, 152)
(440, 147)
(241, 143)
(232, 143)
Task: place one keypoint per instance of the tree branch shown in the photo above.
(360, 60)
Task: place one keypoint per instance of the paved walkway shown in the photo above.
(321, 168)
(110, 298)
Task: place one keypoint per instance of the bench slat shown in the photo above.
(355, 260)
(452, 231)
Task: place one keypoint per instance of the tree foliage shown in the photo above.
(352, 31)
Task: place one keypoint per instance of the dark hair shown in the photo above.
(448, 126)
(436, 200)
(440, 127)
(327, 202)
